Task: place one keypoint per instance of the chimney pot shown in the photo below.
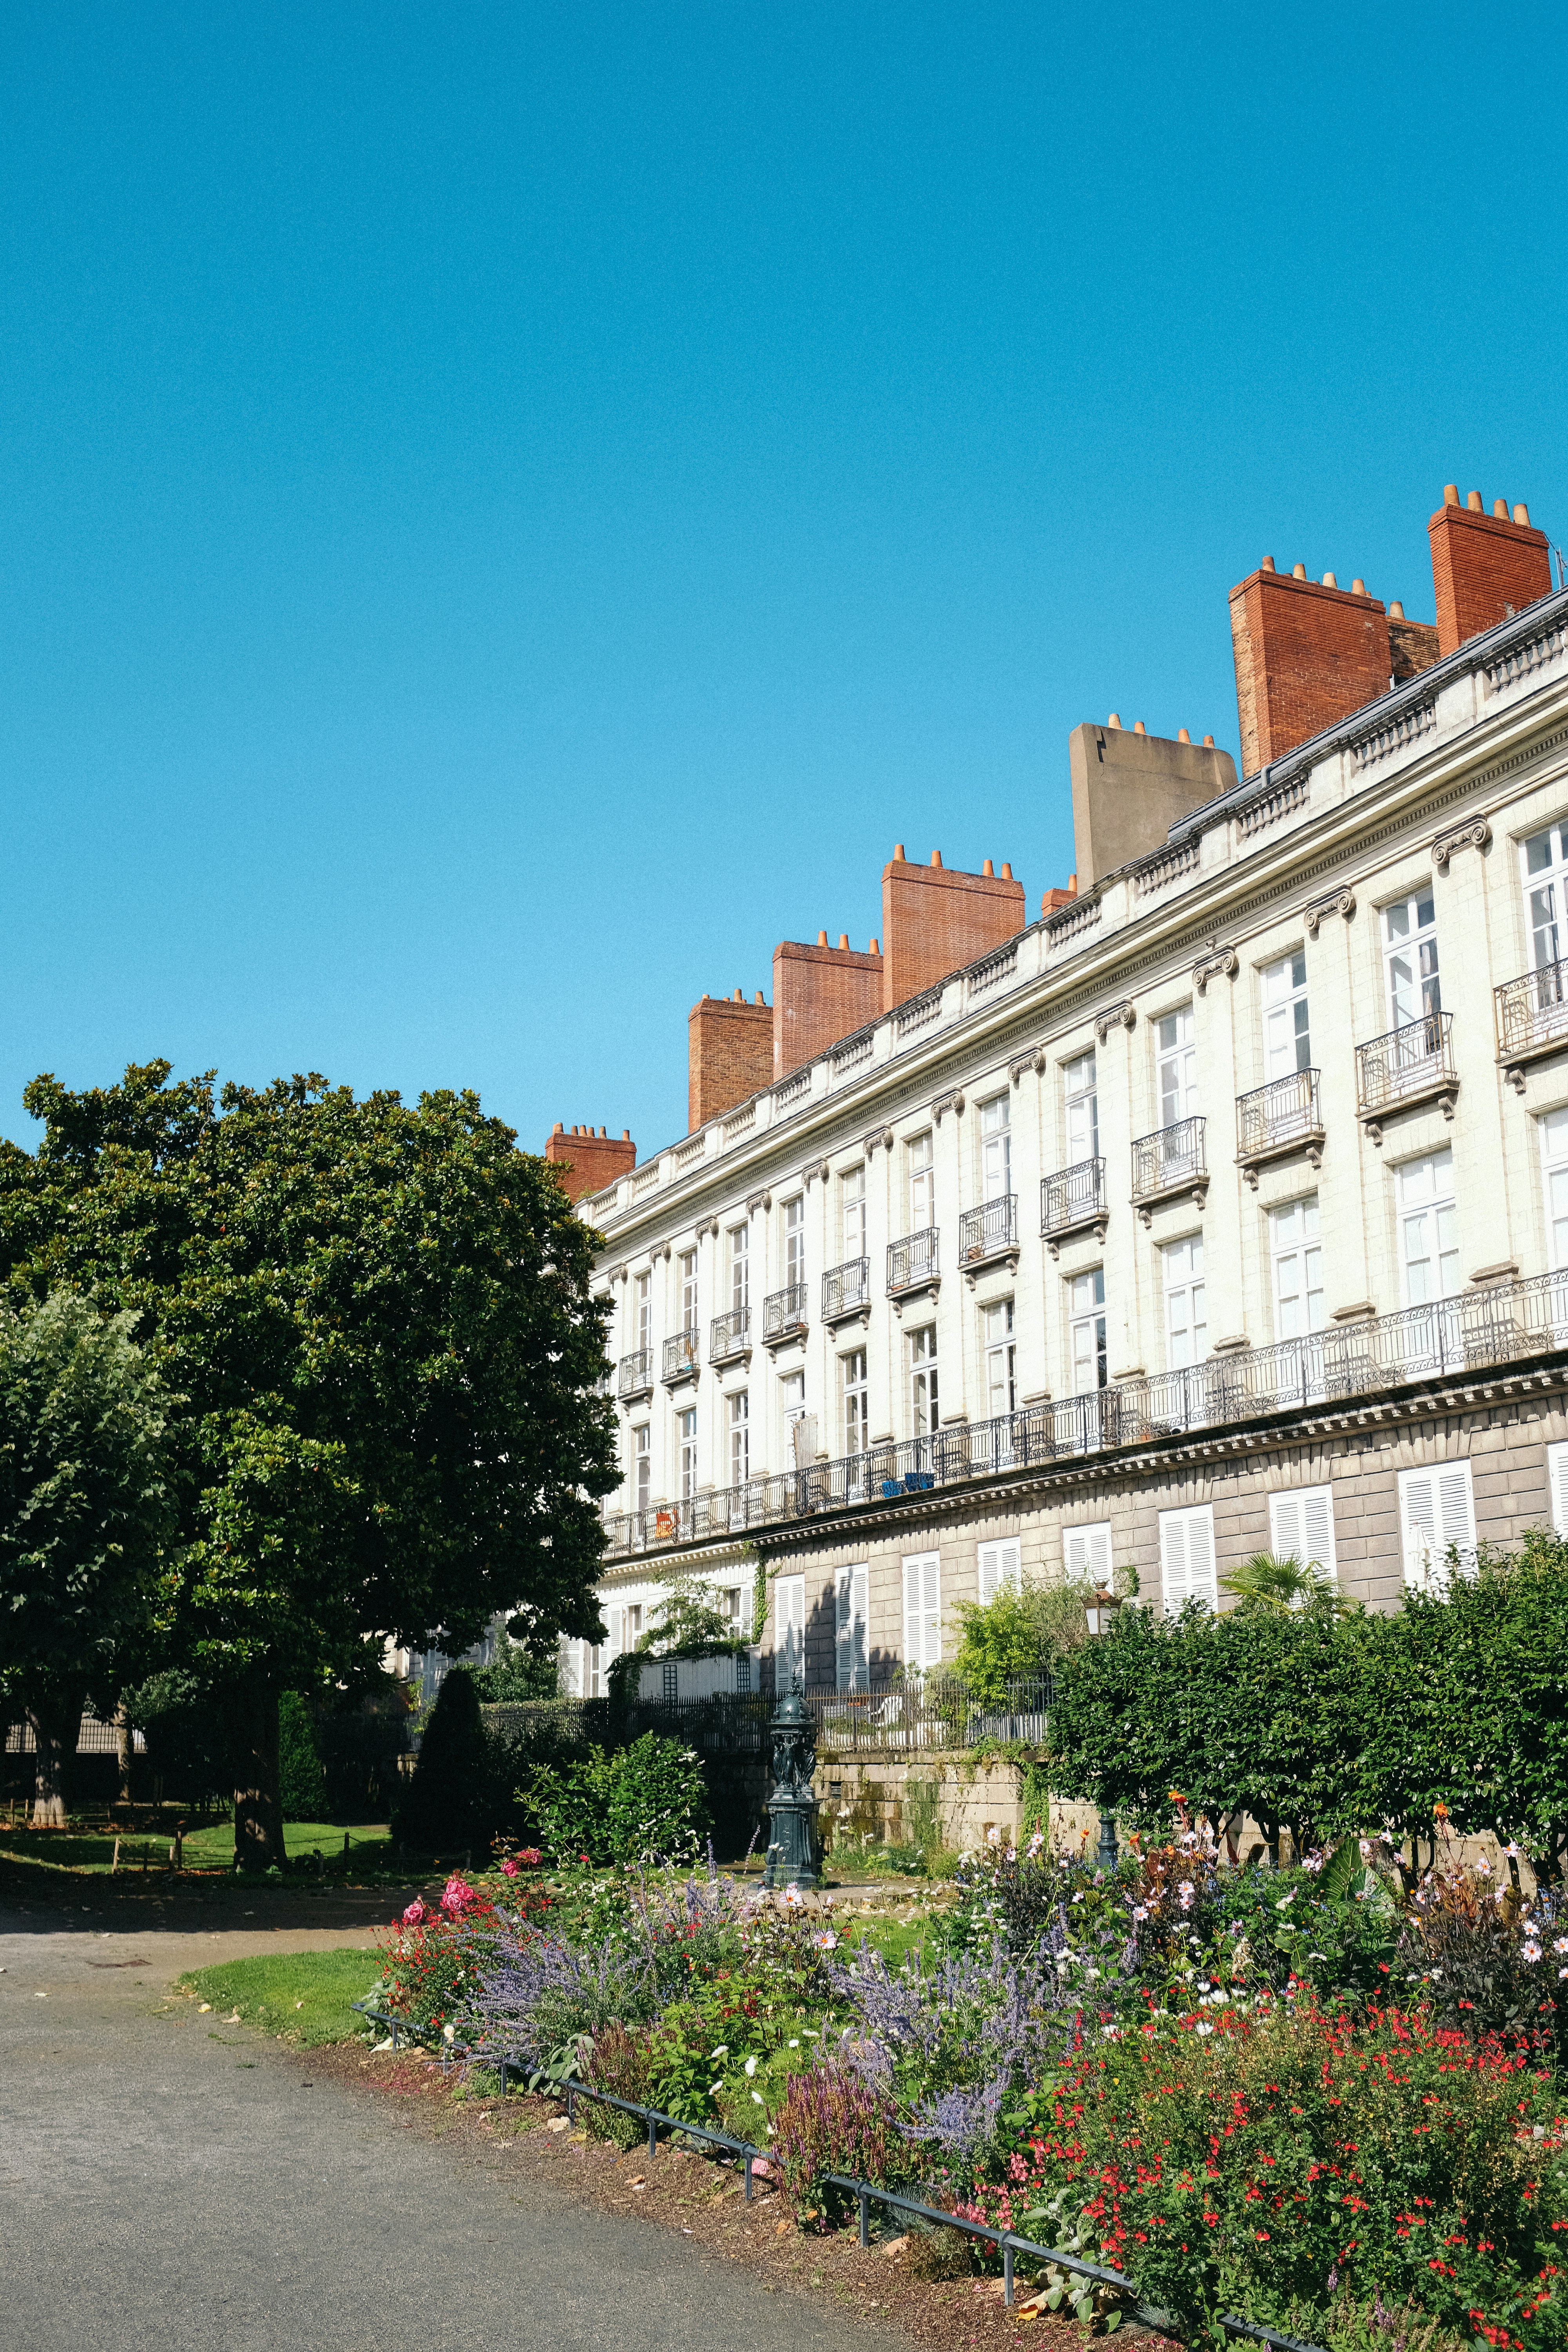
(1500, 507)
(1521, 516)
(1116, 719)
(1183, 736)
(843, 946)
(1072, 884)
(1266, 564)
(1357, 587)
(1138, 727)
(739, 996)
(899, 857)
(626, 1135)
(822, 938)
(1329, 580)
(1006, 871)
(1450, 494)
(936, 857)
(1474, 502)
(1396, 611)
(876, 947)
(988, 868)
(557, 1127)
(1297, 572)
(1208, 742)
(760, 998)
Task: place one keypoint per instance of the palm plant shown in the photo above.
(1270, 1585)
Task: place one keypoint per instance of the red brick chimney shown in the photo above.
(589, 1161)
(1485, 567)
(934, 922)
(1307, 653)
(729, 1054)
(821, 995)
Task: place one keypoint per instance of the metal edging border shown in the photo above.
(1008, 2243)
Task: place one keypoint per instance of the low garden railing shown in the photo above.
(1502, 1323)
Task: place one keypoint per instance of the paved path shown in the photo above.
(174, 2186)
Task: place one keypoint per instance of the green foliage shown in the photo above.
(518, 1675)
(1266, 1582)
(452, 1803)
(686, 1623)
(1020, 1630)
(303, 1784)
(645, 1802)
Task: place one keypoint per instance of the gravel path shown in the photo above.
(174, 2183)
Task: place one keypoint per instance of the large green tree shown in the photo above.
(85, 1512)
(379, 1321)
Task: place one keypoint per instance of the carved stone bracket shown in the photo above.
(1445, 1100)
(619, 1273)
(817, 1171)
(1223, 963)
(1314, 1151)
(756, 1201)
(1114, 1017)
(952, 1102)
(1198, 1191)
(1514, 1077)
(1034, 1061)
(1338, 902)
(882, 1136)
(659, 1250)
(1474, 835)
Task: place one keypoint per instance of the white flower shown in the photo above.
(1111, 2033)
(826, 1941)
(723, 2051)
(1512, 1850)
(1285, 1900)
(1484, 1866)
(751, 2066)
(1140, 1911)
(794, 2043)
(1078, 1897)
(1531, 1951)
(1560, 1944)
(1204, 2028)
(1562, 1974)
(759, 2099)
(993, 1837)
(1501, 1895)
(1365, 1845)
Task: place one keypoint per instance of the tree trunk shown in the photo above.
(57, 1724)
(124, 1741)
(258, 1803)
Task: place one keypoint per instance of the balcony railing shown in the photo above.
(1173, 1159)
(1532, 1013)
(731, 1335)
(682, 1357)
(990, 1231)
(1073, 1198)
(913, 1263)
(1502, 1324)
(846, 1289)
(783, 1314)
(1411, 1063)
(1287, 1115)
(634, 1377)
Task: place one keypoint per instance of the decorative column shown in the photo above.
(792, 1807)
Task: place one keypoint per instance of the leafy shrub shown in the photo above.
(643, 1803)
(433, 1964)
(832, 2120)
(1020, 1630)
(451, 1804)
(1486, 1959)
(304, 1783)
(616, 2063)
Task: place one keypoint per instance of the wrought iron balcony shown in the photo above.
(989, 1232)
(635, 1378)
(1073, 1202)
(1285, 1116)
(1173, 1159)
(682, 1357)
(846, 1289)
(784, 1313)
(731, 1336)
(1413, 1064)
(1532, 1017)
(913, 1263)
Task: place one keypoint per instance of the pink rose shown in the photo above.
(509, 1868)
(457, 1896)
(416, 1915)
(531, 1856)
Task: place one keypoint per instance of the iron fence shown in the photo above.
(1502, 1323)
(731, 1335)
(1172, 1156)
(1532, 1012)
(988, 1231)
(634, 1377)
(1415, 1059)
(1072, 1197)
(913, 1260)
(845, 1287)
(682, 1355)
(784, 1311)
(1287, 1110)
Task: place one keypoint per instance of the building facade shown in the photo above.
(1223, 1207)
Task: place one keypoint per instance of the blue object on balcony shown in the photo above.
(890, 1488)
(920, 1482)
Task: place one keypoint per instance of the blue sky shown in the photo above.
(508, 513)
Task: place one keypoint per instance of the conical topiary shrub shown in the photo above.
(302, 1782)
(451, 1801)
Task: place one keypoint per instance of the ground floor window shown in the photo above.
(1436, 1511)
(922, 1609)
(1187, 1558)
(851, 1652)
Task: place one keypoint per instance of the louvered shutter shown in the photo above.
(1557, 1477)
(922, 1608)
(1285, 1527)
(1000, 1564)
(1173, 1561)
(1200, 1556)
(789, 1632)
(1301, 1526)
(1456, 1515)
(1085, 1554)
(1187, 1558)
(1418, 1524)
(850, 1629)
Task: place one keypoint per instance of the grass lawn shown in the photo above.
(303, 1996)
(205, 1849)
(214, 1848)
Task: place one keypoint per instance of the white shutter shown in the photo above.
(1456, 1513)
(1557, 1479)
(789, 1632)
(1085, 1554)
(1187, 1558)
(1418, 1524)
(1285, 1533)
(1000, 1564)
(922, 1608)
(1437, 1508)
(850, 1660)
(1301, 1526)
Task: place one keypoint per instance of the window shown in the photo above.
(853, 1374)
(1176, 1066)
(1544, 860)
(594, 1660)
(1001, 1387)
(852, 1204)
(1437, 1510)
(996, 1146)
(1428, 1228)
(1297, 1261)
(1301, 1526)
(923, 1383)
(794, 1242)
(792, 1395)
(1186, 1312)
(1410, 946)
(1286, 1043)
(740, 1267)
(740, 1438)
(642, 1443)
(1085, 1307)
(688, 1426)
(851, 1659)
(789, 1634)
(689, 1290)
(923, 1610)
(1000, 1564)
(1554, 1175)
(1082, 1100)
(1187, 1558)
(644, 1310)
(1085, 1554)
(733, 1607)
(919, 1159)
(1557, 1481)
(631, 1624)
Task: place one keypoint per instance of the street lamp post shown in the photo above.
(1100, 1613)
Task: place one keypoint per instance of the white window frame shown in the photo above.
(1176, 1066)
(920, 1178)
(1287, 1021)
(741, 1265)
(854, 1392)
(1086, 1555)
(644, 1310)
(1001, 1357)
(998, 1564)
(995, 1128)
(1307, 1249)
(1080, 1106)
(1187, 1559)
(1437, 1508)
(642, 1467)
(794, 1242)
(851, 1637)
(1557, 1487)
(852, 1212)
(1192, 1288)
(1301, 1528)
(689, 1321)
(1421, 992)
(1433, 1207)
(686, 1426)
(740, 1432)
(1087, 1320)
(1554, 1131)
(925, 1382)
(789, 1632)
(923, 1610)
